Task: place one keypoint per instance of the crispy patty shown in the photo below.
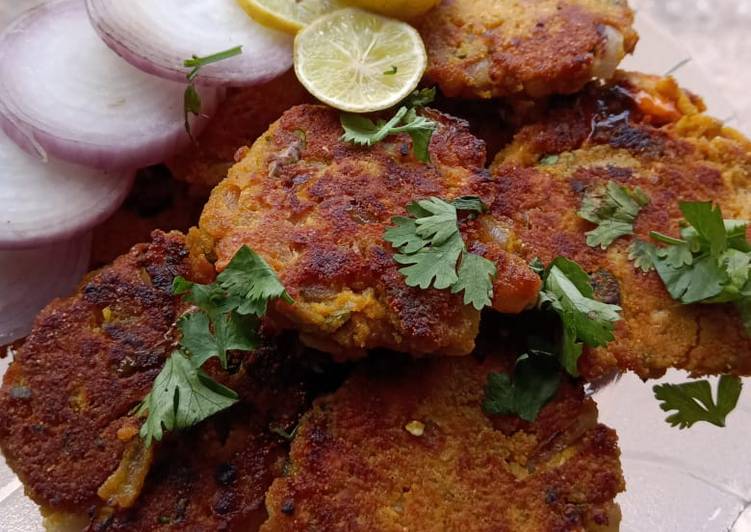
(409, 448)
(639, 131)
(242, 117)
(65, 407)
(88, 360)
(316, 209)
(501, 48)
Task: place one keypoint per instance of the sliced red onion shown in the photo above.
(72, 97)
(158, 35)
(10, 9)
(42, 202)
(31, 278)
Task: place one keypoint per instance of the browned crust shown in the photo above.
(641, 131)
(354, 466)
(486, 48)
(316, 209)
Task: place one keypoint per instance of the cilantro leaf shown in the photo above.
(568, 291)
(693, 401)
(226, 318)
(642, 254)
(182, 395)
(192, 103)
(231, 331)
(613, 208)
(433, 265)
(362, 131)
(250, 278)
(710, 263)
(536, 378)
(430, 246)
(475, 279)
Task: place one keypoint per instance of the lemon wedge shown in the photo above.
(288, 15)
(358, 61)
(403, 9)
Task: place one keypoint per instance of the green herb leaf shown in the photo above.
(693, 401)
(192, 103)
(362, 131)
(431, 245)
(249, 278)
(706, 220)
(613, 208)
(391, 71)
(475, 279)
(182, 395)
(643, 255)
(227, 319)
(535, 381)
(568, 291)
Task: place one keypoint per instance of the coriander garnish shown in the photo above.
(693, 401)
(434, 253)
(391, 71)
(192, 100)
(363, 131)
(709, 263)
(613, 208)
(226, 318)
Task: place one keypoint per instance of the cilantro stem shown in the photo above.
(660, 237)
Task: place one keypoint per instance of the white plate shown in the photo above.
(678, 481)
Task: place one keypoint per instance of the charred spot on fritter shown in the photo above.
(640, 132)
(408, 446)
(88, 361)
(486, 49)
(316, 208)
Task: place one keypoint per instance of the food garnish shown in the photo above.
(567, 290)
(192, 103)
(709, 263)
(226, 318)
(613, 208)
(403, 9)
(286, 15)
(435, 255)
(693, 402)
(341, 59)
(536, 378)
(363, 131)
(155, 36)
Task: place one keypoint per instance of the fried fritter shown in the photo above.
(242, 117)
(502, 48)
(88, 360)
(640, 131)
(316, 209)
(409, 448)
(66, 402)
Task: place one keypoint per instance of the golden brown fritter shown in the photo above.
(88, 360)
(242, 117)
(502, 48)
(645, 132)
(409, 448)
(66, 426)
(316, 209)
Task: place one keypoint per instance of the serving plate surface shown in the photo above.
(678, 481)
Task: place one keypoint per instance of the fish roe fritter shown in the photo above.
(410, 448)
(88, 360)
(316, 207)
(242, 117)
(66, 427)
(531, 48)
(639, 131)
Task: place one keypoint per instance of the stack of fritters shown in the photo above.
(402, 444)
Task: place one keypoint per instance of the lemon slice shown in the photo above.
(358, 61)
(288, 15)
(403, 9)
